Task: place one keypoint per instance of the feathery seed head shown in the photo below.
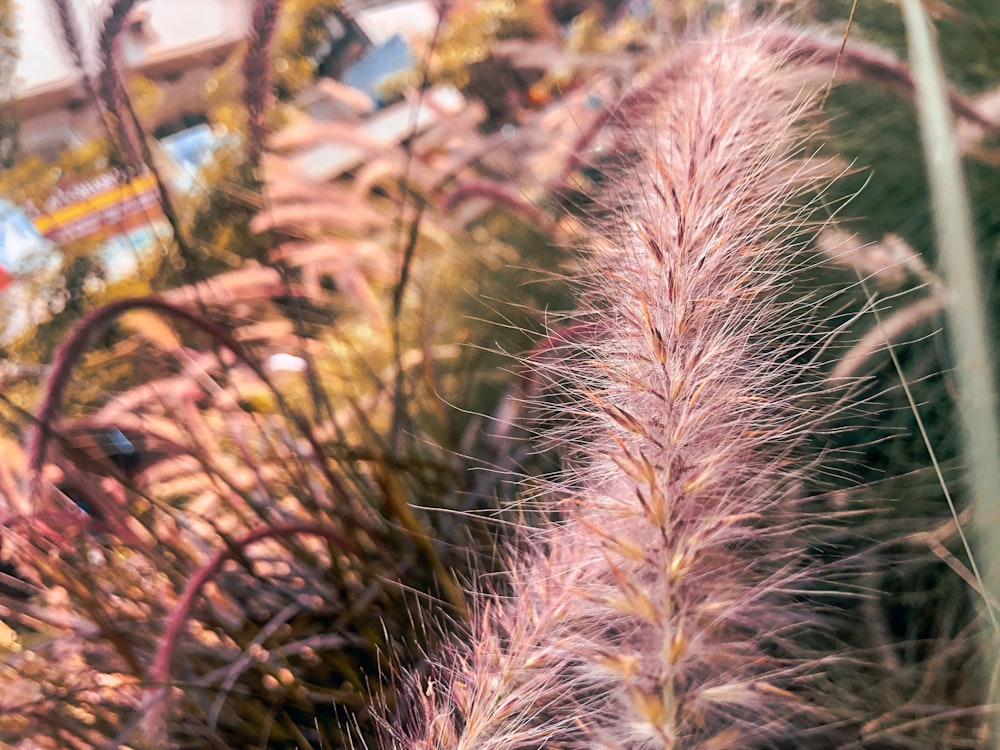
(660, 611)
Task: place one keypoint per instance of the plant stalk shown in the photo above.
(969, 335)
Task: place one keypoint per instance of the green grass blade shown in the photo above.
(967, 311)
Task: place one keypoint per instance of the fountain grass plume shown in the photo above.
(668, 605)
(256, 73)
(110, 89)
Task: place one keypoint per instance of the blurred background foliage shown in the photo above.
(263, 492)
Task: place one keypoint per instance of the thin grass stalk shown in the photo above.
(395, 497)
(122, 123)
(400, 411)
(71, 40)
(320, 399)
(165, 199)
(969, 332)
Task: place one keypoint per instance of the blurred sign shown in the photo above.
(100, 207)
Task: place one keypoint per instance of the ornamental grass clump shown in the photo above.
(245, 501)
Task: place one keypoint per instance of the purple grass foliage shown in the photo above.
(72, 348)
(661, 609)
(160, 669)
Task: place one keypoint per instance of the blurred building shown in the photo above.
(175, 43)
